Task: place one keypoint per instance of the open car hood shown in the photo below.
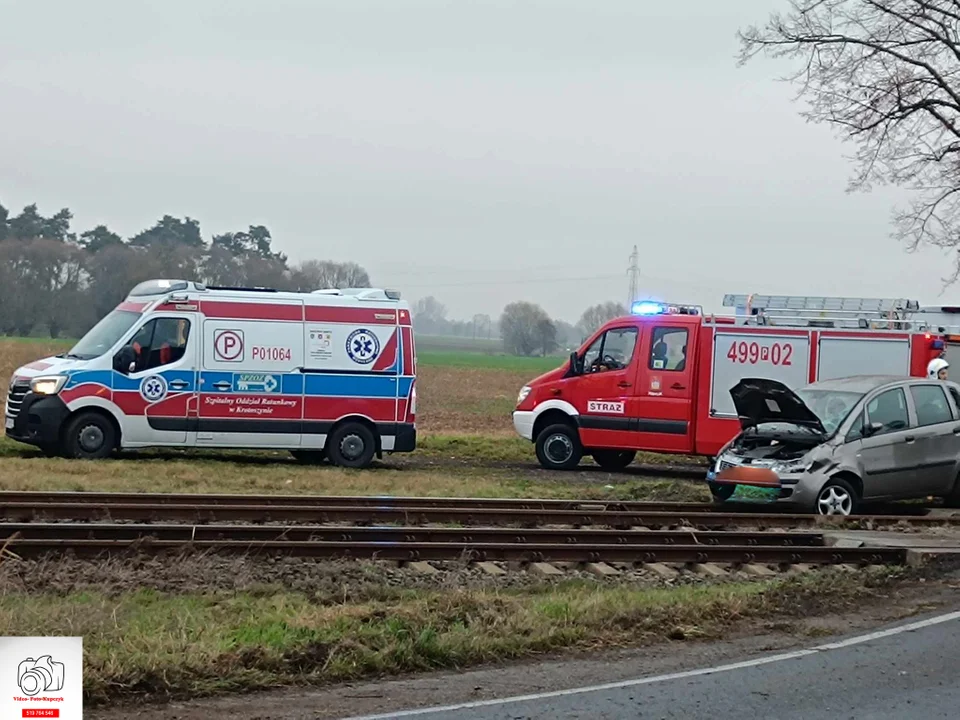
(759, 400)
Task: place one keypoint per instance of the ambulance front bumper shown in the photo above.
(39, 420)
(523, 423)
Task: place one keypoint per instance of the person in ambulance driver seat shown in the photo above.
(937, 368)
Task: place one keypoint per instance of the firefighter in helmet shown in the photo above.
(937, 369)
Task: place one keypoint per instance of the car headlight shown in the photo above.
(50, 385)
(792, 467)
(524, 391)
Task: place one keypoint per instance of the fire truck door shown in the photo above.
(664, 393)
(605, 393)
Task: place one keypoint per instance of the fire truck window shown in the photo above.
(618, 348)
(160, 342)
(931, 404)
(668, 350)
(591, 358)
(890, 410)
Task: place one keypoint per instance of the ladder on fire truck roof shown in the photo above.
(821, 311)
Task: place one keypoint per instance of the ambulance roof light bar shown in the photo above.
(651, 307)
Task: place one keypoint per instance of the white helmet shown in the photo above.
(935, 366)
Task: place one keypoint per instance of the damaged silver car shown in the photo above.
(832, 445)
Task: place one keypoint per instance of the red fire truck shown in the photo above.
(659, 379)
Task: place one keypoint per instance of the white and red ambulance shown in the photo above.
(332, 372)
(659, 379)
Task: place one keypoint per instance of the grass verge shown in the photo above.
(148, 645)
(275, 472)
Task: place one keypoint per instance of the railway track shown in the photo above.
(587, 514)
(439, 544)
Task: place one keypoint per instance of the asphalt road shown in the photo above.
(908, 671)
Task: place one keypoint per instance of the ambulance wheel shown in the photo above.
(558, 447)
(308, 457)
(89, 436)
(613, 460)
(351, 445)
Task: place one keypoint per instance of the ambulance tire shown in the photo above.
(351, 445)
(614, 460)
(559, 448)
(89, 436)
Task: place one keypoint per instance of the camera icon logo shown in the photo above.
(40, 675)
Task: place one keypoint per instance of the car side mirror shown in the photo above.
(574, 364)
(872, 429)
(125, 361)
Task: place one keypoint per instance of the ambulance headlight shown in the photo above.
(524, 391)
(49, 385)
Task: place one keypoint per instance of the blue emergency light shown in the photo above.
(646, 307)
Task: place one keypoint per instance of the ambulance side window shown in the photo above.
(668, 349)
(160, 342)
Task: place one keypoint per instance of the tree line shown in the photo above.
(525, 328)
(60, 282)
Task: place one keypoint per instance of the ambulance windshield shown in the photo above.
(104, 335)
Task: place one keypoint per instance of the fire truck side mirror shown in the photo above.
(575, 368)
(125, 361)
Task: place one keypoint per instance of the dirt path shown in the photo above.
(550, 674)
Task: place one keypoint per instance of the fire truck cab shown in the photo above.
(180, 364)
(658, 380)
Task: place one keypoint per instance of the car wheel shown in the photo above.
(558, 447)
(89, 436)
(722, 492)
(308, 457)
(352, 446)
(613, 460)
(837, 497)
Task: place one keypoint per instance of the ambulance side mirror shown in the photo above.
(125, 361)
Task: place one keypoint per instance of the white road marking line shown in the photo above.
(857, 640)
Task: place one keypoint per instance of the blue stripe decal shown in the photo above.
(372, 386)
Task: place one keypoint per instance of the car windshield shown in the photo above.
(104, 335)
(831, 406)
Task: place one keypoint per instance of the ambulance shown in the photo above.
(659, 379)
(331, 373)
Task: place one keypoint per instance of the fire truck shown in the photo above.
(658, 379)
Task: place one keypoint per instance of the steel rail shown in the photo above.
(524, 517)
(130, 498)
(522, 552)
(308, 533)
(19, 497)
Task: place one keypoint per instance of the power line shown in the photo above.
(525, 281)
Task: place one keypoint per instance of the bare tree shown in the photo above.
(527, 329)
(886, 75)
(326, 275)
(595, 316)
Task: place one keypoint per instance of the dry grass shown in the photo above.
(276, 472)
(151, 645)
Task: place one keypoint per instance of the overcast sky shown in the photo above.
(481, 152)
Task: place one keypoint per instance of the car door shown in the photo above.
(888, 455)
(604, 391)
(156, 397)
(938, 439)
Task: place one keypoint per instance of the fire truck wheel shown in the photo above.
(308, 457)
(89, 436)
(558, 447)
(612, 460)
(351, 445)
